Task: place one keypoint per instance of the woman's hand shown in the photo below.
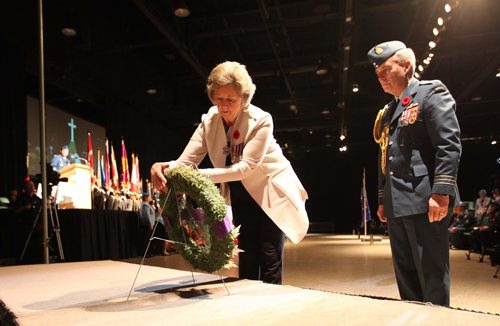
(157, 177)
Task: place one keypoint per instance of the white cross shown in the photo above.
(72, 126)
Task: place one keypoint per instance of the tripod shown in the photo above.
(54, 220)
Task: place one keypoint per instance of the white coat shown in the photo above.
(261, 166)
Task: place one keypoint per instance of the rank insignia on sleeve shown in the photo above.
(409, 115)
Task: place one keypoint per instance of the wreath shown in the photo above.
(197, 222)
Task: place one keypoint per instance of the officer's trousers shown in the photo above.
(420, 254)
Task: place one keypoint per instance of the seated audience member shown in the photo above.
(482, 203)
(480, 236)
(26, 208)
(495, 194)
(463, 222)
(12, 197)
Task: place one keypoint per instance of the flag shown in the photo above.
(114, 170)
(134, 181)
(125, 170)
(103, 174)
(107, 168)
(365, 206)
(98, 174)
(90, 154)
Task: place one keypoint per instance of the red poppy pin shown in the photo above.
(236, 134)
(406, 100)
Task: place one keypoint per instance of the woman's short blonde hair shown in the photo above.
(231, 73)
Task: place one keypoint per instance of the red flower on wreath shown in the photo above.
(406, 100)
(236, 134)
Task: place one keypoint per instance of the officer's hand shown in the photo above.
(380, 214)
(157, 177)
(438, 207)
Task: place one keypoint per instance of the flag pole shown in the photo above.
(364, 200)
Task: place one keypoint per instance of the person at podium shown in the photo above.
(60, 160)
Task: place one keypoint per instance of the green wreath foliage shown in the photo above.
(196, 240)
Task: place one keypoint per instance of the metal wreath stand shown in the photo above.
(170, 241)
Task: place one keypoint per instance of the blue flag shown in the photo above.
(365, 206)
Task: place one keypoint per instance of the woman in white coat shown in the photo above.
(256, 179)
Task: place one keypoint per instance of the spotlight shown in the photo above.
(322, 69)
(447, 7)
(181, 9)
(310, 132)
(440, 21)
(417, 75)
(435, 31)
(325, 112)
(431, 55)
(151, 91)
(342, 137)
(426, 61)
(432, 44)
(355, 88)
(420, 68)
(498, 73)
(69, 31)
(493, 142)
(293, 108)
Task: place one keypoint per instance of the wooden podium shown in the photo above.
(76, 193)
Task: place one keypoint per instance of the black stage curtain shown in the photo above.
(85, 235)
(13, 133)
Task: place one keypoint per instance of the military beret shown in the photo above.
(383, 51)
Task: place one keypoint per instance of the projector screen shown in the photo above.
(62, 129)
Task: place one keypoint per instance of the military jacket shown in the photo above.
(423, 149)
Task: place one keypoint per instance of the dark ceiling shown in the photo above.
(123, 48)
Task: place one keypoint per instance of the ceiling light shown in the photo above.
(432, 44)
(69, 31)
(322, 69)
(417, 75)
(342, 137)
(440, 21)
(447, 7)
(310, 132)
(343, 148)
(426, 61)
(325, 112)
(151, 91)
(435, 31)
(327, 136)
(498, 73)
(431, 55)
(493, 142)
(181, 9)
(293, 108)
(355, 88)
(420, 68)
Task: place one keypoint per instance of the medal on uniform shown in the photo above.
(237, 152)
(409, 114)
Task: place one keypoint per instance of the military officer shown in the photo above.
(420, 149)
(60, 160)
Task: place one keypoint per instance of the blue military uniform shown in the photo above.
(420, 152)
(59, 161)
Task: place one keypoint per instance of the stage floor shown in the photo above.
(94, 293)
(344, 264)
